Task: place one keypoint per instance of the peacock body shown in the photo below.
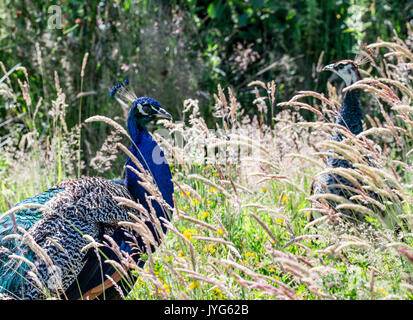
(54, 234)
(80, 207)
(350, 117)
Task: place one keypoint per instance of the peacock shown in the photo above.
(350, 117)
(52, 235)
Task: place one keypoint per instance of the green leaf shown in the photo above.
(212, 10)
(291, 14)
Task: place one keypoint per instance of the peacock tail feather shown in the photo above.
(80, 207)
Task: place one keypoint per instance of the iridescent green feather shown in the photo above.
(10, 273)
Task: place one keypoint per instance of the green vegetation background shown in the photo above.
(174, 50)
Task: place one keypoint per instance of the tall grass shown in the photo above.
(241, 225)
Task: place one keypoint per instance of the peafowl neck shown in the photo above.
(149, 154)
(350, 114)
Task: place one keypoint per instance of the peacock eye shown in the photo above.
(146, 108)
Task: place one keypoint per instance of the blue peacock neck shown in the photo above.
(149, 154)
(350, 117)
(350, 114)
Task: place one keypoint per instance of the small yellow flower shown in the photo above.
(284, 199)
(166, 288)
(271, 270)
(245, 261)
(208, 202)
(187, 234)
(264, 189)
(180, 254)
(194, 284)
(204, 215)
(213, 190)
(307, 213)
(169, 258)
(220, 231)
(217, 293)
(338, 16)
(209, 248)
(279, 221)
(250, 254)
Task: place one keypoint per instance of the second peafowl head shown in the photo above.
(347, 70)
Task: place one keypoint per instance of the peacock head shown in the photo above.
(142, 110)
(145, 109)
(347, 70)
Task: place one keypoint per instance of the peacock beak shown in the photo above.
(162, 113)
(329, 67)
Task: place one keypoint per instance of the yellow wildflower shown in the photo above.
(279, 221)
(250, 254)
(166, 288)
(188, 233)
(213, 190)
(220, 231)
(284, 199)
(217, 293)
(209, 248)
(264, 189)
(194, 284)
(204, 215)
(380, 290)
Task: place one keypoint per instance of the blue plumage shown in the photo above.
(148, 153)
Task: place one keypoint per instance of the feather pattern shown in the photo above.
(75, 210)
(80, 208)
